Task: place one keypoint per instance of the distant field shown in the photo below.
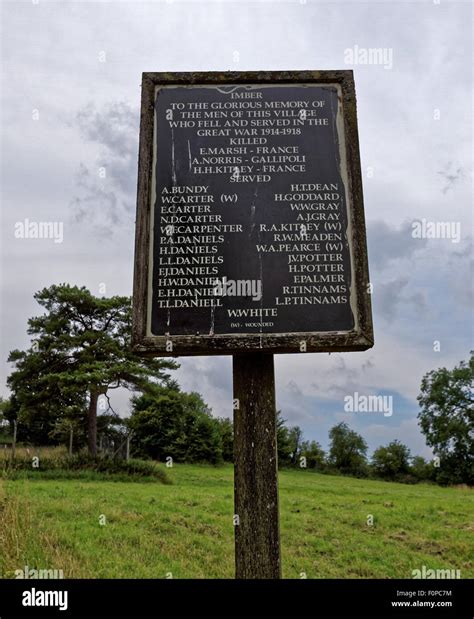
(186, 528)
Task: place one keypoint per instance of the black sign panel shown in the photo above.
(248, 225)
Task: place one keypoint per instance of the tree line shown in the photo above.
(80, 352)
(347, 455)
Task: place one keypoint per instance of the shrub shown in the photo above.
(83, 465)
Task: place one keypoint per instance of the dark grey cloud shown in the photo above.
(115, 126)
(293, 389)
(465, 254)
(451, 174)
(106, 188)
(94, 197)
(387, 244)
(390, 296)
(367, 365)
(339, 379)
(462, 264)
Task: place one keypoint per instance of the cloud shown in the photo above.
(212, 377)
(293, 389)
(339, 379)
(388, 244)
(115, 127)
(367, 365)
(106, 188)
(96, 203)
(390, 296)
(451, 175)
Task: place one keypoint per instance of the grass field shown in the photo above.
(152, 529)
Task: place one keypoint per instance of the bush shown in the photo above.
(173, 424)
(392, 461)
(83, 465)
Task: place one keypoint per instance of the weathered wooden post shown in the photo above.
(71, 432)
(257, 536)
(15, 425)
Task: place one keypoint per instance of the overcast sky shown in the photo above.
(71, 74)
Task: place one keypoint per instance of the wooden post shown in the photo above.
(15, 425)
(257, 535)
(71, 433)
(92, 423)
(127, 453)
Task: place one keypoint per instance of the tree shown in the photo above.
(171, 423)
(347, 450)
(284, 445)
(447, 420)
(314, 454)
(291, 446)
(112, 429)
(295, 436)
(204, 441)
(421, 469)
(226, 429)
(81, 349)
(39, 404)
(391, 461)
(65, 425)
(158, 425)
(4, 406)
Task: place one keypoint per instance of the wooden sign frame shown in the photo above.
(360, 338)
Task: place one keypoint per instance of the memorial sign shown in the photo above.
(250, 241)
(250, 223)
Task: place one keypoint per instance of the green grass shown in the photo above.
(186, 528)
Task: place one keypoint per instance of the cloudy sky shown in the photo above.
(70, 98)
